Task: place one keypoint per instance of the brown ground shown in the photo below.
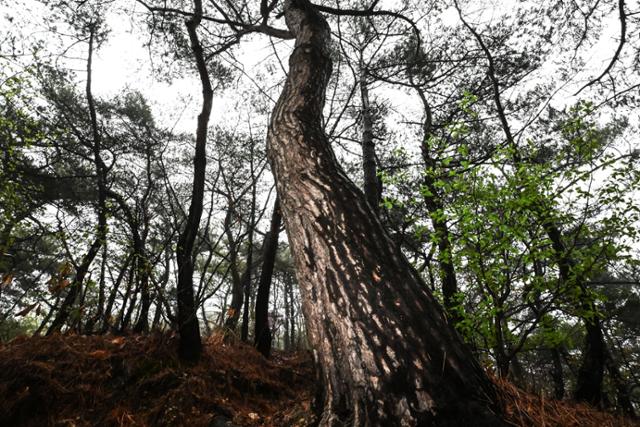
(137, 381)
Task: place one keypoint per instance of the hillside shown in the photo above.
(136, 380)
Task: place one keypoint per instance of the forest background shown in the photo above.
(496, 144)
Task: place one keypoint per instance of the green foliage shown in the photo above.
(498, 211)
(11, 328)
(18, 133)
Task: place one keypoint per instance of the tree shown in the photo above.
(366, 307)
(92, 26)
(262, 336)
(190, 344)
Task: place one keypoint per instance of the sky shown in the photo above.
(124, 62)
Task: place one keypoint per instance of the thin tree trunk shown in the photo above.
(75, 288)
(262, 327)
(246, 286)
(623, 398)
(100, 167)
(287, 316)
(591, 372)
(91, 322)
(590, 375)
(205, 321)
(233, 312)
(190, 346)
(557, 374)
(106, 318)
(126, 319)
(387, 354)
(246, 289)
(160, 289)
(142, 324)
(119, 324)
(292, 312)
(371, 182)
(44, 322)
(223, 308)
(435, 207)
(502, 361)
(144, 270)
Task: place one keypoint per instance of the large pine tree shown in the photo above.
(387, 354)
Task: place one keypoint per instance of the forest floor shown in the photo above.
(77, 380)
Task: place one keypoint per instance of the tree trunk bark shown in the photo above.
(435, 207)
(557, 374)
(160, 289)
(101, 170)
(233, 312)
(44, 322)
(623, 397)
(591, 371)
(262, 327)
(287, 316)
(107, 321)
(91, 322)
(371, 183)
(190, 345)
(75, 288)
(119, 325)
(386, 352)
(246, 285)
(292, 314)
(126, 319)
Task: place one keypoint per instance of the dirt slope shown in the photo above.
(135, 380)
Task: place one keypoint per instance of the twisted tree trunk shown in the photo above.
(386, 352)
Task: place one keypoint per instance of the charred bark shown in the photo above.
(262, 328)
(387, 354)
